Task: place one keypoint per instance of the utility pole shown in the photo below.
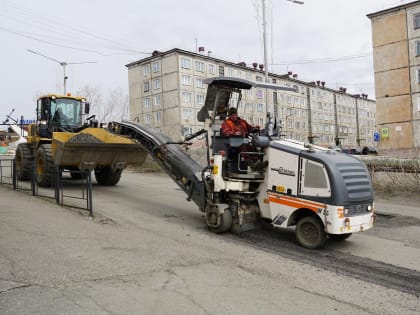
(265, 41)
(265, 34)
(63, 64)
(265, 49)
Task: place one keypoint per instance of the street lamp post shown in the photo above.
(63, 64)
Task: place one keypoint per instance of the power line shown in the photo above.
(64, 64)
(322, 60)
(28, 17)
(68, 46)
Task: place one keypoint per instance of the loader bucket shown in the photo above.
(94, 147)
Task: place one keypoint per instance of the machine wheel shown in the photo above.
(339, 237)
(310, 232)
(23, 159)
(225, 222)
(106, 176)
(44, 166)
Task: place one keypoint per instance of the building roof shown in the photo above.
(242, 65)
(393, 9)
(157, 53)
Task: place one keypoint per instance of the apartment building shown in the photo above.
(396, 51)
(166, 91)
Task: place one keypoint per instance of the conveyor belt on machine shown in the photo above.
(184, 170)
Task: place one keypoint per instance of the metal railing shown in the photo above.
(69, 187)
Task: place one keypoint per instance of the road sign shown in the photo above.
(384, 133)
(376, 136)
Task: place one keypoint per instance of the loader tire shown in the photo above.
(23, 160)
(44, 166)
(310, 232)
(105, 176)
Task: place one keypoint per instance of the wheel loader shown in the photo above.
(64, 137)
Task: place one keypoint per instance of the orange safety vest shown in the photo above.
(230, 128)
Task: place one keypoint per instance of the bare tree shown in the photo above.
(113, 106)
(117, 104)
(94, 96)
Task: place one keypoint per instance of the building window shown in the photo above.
(156, 100)
(187, 113)
(158, 116)
(199, 83)
(146, 70)
(146, 86)
(155, 67)
(186, 97)
(147, 119)
(211, 69)
(146, 103)
(258, 78)
(417, 21)
(221, 71)
(186, 63)
(275, 98)
(186, 131)
(249, 107)
(259, 94)
(186, 79)
(156, 84)
(199, 66)
(260, 107)
(418, 103)
(289, 99)
(200, 99)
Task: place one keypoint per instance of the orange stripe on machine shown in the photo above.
(295, 202)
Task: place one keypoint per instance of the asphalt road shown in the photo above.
(148, 251)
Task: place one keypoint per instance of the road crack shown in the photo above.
(16, 288)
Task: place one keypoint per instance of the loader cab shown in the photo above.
(60, 113)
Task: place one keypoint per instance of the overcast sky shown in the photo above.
(114, 33)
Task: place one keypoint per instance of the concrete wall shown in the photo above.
(388, 29)
(394, 80)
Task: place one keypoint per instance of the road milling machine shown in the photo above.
(64, 138)
(321, 193)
